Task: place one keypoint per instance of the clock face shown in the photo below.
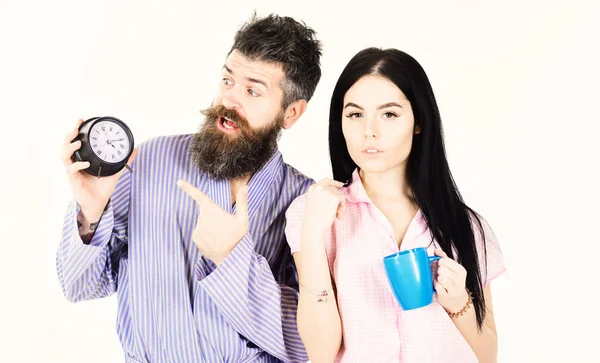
(109, 141)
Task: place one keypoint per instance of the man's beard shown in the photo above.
(232, 156)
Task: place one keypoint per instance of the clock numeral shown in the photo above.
(99, 152)
(103, 128)
(97, 131)
(95, 145)
(113, 156)
(110, 129)
(118, 152)
(94, 138)
(117, 132)
(122, 146)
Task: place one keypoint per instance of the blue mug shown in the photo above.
(409, 274)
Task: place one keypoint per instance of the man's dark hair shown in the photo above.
(283, 40)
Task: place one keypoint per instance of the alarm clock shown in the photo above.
(106, 143)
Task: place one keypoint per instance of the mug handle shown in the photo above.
(433, 258)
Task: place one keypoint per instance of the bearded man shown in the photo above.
(193, 240)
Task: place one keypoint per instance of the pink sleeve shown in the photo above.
(294, 219)
(491, 261)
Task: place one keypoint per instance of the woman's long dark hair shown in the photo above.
(427, 172)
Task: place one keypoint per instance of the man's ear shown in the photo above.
(293, 113)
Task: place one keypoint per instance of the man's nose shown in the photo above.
(230, 100)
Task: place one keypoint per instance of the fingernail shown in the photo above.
(179, 183)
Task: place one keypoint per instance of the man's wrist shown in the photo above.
(217, 260)
(88, 223)
(87, 217)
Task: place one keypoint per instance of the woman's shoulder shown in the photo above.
(481, 227)
(298, 205)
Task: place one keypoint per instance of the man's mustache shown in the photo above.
(216, 111)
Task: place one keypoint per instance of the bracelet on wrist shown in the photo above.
(321, 294)
(464, 309)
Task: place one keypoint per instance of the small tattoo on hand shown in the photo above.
(93, 226)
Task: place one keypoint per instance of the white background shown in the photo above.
(517, 85)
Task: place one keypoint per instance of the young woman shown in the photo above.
(393, 191)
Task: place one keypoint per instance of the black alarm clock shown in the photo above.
(106, 143)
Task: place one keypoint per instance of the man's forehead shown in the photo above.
(236, 63)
